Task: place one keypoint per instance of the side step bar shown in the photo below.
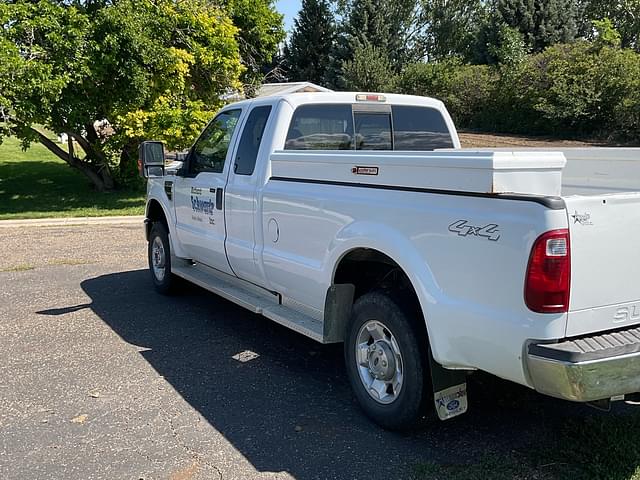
(254, 299)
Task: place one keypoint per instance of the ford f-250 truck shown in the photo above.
(355, 218)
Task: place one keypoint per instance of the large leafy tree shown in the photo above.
(261, 30)
(307, 53)
(109, 74)
(624, 15)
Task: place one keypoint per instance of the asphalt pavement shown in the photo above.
(102, 378)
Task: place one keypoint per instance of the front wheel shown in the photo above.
(386, 354)
(159, 253)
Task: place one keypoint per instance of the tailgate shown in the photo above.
(605, 262)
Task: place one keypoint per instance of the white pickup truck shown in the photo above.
(356, 218)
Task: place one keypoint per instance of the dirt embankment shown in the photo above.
(486, 140)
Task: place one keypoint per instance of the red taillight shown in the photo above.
(546, 286)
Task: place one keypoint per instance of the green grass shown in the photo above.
(604, 447)
(36, 184)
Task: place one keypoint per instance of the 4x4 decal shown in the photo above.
(463, 229)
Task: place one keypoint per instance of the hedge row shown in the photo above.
(578, 89)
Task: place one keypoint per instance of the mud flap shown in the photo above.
(337, 312)
(449, 390)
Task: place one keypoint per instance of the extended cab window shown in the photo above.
(321, 127)
(419, 129)
(250, 140)
(210, 151)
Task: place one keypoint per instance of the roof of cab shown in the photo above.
(297, 99)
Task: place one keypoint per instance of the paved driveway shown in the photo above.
(100, 377)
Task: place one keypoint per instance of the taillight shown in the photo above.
(547, 284)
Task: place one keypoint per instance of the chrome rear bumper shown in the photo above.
(588, 368)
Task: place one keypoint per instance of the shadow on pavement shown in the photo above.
(290, 408)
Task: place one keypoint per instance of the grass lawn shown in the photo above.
(36, 184)
(604, 447)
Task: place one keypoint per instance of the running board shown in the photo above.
(250, 297)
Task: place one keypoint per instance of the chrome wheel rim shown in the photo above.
(158, 259)
(379, 362)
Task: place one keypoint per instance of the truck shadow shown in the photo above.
(283, 401)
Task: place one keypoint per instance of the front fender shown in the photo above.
(157, 194)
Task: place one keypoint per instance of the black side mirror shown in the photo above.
(151, 159)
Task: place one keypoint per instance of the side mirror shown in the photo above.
(151, 159)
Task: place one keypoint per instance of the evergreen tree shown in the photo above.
(541, 22)
(307, 54)
(380, 26)
(449, 28)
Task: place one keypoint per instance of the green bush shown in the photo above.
(579, 89)
(466, 90)
(567, 90)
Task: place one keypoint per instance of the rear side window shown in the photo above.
(321, 127)
(419, 128)
(250, 140)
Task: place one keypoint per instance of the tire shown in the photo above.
(159, 255)
(390, 333)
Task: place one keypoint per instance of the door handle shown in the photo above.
(219, 196)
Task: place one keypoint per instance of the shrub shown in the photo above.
(573, 89)
(466, 90)
(580, 89)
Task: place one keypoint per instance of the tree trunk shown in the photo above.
(128, 158)
(100, 177)
(96, 154)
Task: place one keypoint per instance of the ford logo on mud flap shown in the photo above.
(453, 405)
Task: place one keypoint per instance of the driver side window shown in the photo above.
(210, 151)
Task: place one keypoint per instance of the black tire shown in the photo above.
(167, 283)
(405, 412)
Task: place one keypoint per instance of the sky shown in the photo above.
(290, 8)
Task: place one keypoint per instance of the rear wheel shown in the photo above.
(159, 253)
(386, 355)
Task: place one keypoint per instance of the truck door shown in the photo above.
(199, 194)
(242, 219)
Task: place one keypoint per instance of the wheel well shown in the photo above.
(155, 214)
(369, 270)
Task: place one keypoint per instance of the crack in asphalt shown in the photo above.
(190, 451)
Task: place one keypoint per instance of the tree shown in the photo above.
(624, 15)
(261, 31)
(150, 69)
(383, 25)
(446, 28)
(606, 34)
(541, 22)
(307, 54)
(510, 50)
(369, 71)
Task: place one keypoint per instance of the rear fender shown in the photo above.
(393, 244)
